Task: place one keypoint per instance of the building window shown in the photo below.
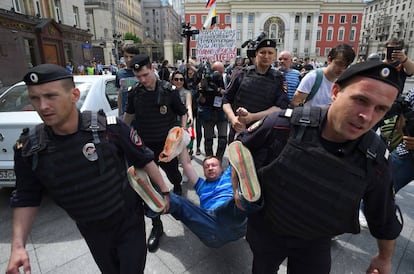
(320, 19)
(17, 5)
(307, 35)
(295, 51)
(203, 18)
(239, 18)
(238, 35)
(227, 19)
(327, 50)
(318, 34)
(317, 51)
(354, 19)
(343, 19)
(296, 35)
(193, 52)
(352, 34)
(331, 19)
(29, 50)
(329, 34)
(308, 19)
(193, 19)
(273, 30)
(341, 32)
(251, 18)
(297, 19)
(249, 34)
(76, 16)
(58, 11)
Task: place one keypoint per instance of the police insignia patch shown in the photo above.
(136, 140)
(89, 151)
(163, 109)
(255, 126)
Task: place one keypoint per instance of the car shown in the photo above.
(16, 113)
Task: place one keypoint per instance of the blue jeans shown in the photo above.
(402, 169)
(213, 227)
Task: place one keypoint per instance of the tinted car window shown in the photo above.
(16, 99)
(111, 93)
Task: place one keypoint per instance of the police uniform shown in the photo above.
(155, 114)
(85, 174)
(313, 187)
(254, 91)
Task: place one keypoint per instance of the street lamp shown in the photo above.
(117, 40)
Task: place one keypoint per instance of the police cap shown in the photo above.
(45, 73)
(139, 61)
(266, 43)
(372, 69)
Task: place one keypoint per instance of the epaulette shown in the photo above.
(111, 120)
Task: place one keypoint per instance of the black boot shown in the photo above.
(178, 189)
(155, 235)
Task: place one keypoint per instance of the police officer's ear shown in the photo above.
(75, 95)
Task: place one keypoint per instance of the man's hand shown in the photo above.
(236, 198)
(237, 125)
(167, 204)
(379, 266)
(18, 258)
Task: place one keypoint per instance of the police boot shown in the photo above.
(178, 189)
(155, 235)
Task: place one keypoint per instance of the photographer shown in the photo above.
(402, 160)
(212, 88)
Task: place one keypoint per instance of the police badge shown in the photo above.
(89, 151)
(163, 109)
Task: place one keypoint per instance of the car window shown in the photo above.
(111, 93)
(16, 99)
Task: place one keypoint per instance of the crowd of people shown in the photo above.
(304, 158)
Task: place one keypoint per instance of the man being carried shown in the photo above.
(218, 220)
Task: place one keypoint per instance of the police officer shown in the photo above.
(152, 108)
(78, 158)
(255, 91)
(315, 166)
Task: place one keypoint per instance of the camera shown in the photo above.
(207, 77)
(251, 45)
(390, 50)
(402, 106)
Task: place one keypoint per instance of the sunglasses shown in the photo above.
(178, 79)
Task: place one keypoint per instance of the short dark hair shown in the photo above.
(343, 50)
(131, 49)
(211, 157)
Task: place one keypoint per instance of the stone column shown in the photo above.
(168, 51)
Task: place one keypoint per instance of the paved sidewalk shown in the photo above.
(55, 245)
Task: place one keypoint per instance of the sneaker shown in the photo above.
(242, 161)
(139, 181)
(362, 220)
(198, 152)
(177, 140)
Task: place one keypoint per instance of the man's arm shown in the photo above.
(154, 173)
(23, 218)
(188, 168)
(119, 100)
(382, 262)
(253, 117)
(183, 119)
(298, 98)
(233, 119)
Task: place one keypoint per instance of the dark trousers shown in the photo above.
(304, 256)
(118, 246)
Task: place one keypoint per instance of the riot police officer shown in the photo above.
(79, 159)
(315, 166)
(152, 108)
(258, 89)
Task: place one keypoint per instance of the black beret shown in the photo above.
(138, 61)
(45, 73)
(266, 43)
(372, 69)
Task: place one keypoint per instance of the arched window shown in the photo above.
(273, 31)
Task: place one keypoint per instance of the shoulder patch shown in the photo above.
(255, 126)
(111, 120)
(135, 139)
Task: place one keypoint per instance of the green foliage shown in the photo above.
(131, 36)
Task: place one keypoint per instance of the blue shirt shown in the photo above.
(293, 80)
(215, 193)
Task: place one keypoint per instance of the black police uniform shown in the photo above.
(312, 189)
(254, 91)
(85, 174)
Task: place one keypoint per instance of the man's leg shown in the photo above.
(222, 138)
(208, 137)
(402, 170)
(173, 174)
(201, 222)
